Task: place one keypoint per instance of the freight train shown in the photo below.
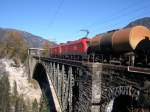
(128, 46)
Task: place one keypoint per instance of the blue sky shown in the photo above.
(62, 20)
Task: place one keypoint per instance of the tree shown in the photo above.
(2, 52)
(44, 104)
(28, 105)
(35, 106)
(14, 94)
(46, 47)
(15, 47)
(4, 94)
(20, 105)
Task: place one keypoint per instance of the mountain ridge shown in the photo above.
(142, 21)
(31, 39)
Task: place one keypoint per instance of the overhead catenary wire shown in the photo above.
(109, 23)
(133, 17)
(135, 13)
(116, 17)
(113, 15)
(56, 13)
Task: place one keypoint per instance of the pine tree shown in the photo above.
(44, 104)
(20, 105)
(15, 92)
(14, 96)
(28, 105)
(4, 94)
(35, 106)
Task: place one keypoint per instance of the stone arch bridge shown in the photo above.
(73, 86)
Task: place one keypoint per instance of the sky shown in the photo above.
(63, 20)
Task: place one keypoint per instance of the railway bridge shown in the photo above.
(79, 86)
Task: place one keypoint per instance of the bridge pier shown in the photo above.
(95, 71)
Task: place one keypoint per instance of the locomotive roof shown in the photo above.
(70, 42)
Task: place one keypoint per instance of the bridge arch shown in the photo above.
(120, 99)
(124, 103)
(40, 75)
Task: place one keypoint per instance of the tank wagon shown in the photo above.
(129, 46)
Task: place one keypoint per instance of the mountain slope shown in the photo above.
(143, 21)
(30, 39)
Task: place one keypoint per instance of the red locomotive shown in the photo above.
(71, 49)
(55, 50)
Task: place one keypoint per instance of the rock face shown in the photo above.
(30, 91)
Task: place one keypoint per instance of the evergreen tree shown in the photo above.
(44, 104)
(15, 92)
(20, 105)
(4, 94)
(35, 106)
(14, 95)
(28, 105)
